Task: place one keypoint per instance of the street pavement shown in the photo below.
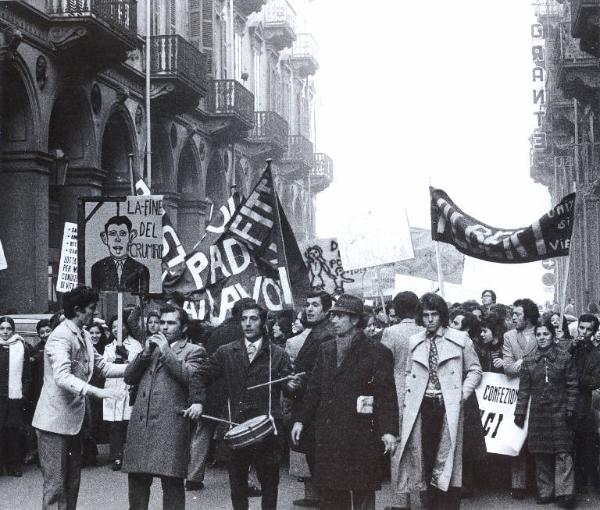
(103, 489)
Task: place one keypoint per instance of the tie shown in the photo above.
(119, 263)
(251, 348)
(433, 365)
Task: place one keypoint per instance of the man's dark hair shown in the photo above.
(78, 297)
(588, 317)
(431, 301)
(471, 305)
(530, 310)
(325, 298)
(118, 220)
(490, 291)
(405, 304)
(253, 305)
(44, 323)
(545, 323)
(184, 318)
(197, 332)
(496, 325)
(236, 310)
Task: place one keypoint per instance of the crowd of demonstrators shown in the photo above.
(357, 383)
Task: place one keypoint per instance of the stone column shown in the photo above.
(190, 221)
(81, 182)
(170, 204)
(24, 231)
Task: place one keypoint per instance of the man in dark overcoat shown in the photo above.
(351, 398)
(158, 433)
(316, 307)
(240, 364)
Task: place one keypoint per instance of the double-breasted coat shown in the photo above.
(550, 379)
(459, 373)
(158, 437)
(349, 448)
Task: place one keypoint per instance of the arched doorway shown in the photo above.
(117, 144)
(190, 217)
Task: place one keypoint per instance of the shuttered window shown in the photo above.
(201, 23)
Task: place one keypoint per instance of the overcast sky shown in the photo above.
(420, 92)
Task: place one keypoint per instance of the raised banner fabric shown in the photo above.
(548, 237)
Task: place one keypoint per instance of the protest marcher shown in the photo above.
(518, 343)
(281, 327)
(249, 361)
(488, 298)
(118, 411)
(15, 382)
(299, 324)
(396, 339)
(587, 361)
(98, 337)
(69, 362)
(548, 375)
(374, 328)
(443, 372)
(392, 313)
(152, 323)
(488, 345)
(563, 336)
(316, 309)
(158, 433)
(351, 398)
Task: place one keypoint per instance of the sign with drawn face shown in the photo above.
(122, 246)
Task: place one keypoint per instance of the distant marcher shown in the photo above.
(488, 298)
(548, 375)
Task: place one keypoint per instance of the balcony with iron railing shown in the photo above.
(304, 57)
(100, 28)
(321, 174)
(178, 71)
(570, 51)
(270, 130)
(279, 23)
(298, 159)
(247, 7)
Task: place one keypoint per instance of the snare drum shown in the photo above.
(250, 432)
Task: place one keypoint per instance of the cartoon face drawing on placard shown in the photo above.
(119, 271)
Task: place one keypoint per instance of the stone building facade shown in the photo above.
(231, 85)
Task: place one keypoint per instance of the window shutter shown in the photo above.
(172, 16)
(207, 42)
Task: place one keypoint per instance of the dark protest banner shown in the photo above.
(548, 237)
(122, 243)
(254, 255)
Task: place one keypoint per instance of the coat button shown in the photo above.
(414, 376)
(408, 390)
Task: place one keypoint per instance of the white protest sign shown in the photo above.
(369, 243)
(497, 398)
(3, 264)
(67, 269)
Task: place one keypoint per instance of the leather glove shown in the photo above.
(520, 420)
(571, 419)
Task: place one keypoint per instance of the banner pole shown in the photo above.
(148, 116)
(131, 181)
(380, 292)
(120, 318)
(439, 269)
(563, 297)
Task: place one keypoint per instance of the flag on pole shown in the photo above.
(548, 237)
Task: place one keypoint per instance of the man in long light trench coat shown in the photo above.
(443, 371)
(158, 436)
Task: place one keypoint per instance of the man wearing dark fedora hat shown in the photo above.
(351, 400)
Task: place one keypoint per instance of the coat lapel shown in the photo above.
(352, 354)
(418, 346)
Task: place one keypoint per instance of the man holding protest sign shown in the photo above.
(518, 343)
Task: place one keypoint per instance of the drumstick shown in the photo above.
(275, 381)
(218, 419)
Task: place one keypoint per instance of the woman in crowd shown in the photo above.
(281, 328)
(15, 380)
(374, 328)
(563, 335)
(152, 323)
(118, 411)
(488, 345)
(548, 375)
(98, 336)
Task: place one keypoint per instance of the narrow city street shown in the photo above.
(103, 489)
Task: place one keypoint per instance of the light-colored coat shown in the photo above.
(516, 346)
(119, 409)
(69, 363)
(459, 373)
(158, 436)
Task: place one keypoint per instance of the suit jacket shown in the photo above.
(69, 363)
(349, 450)
(230, 363)
(158, 438)
(516, 346)
(135, 276)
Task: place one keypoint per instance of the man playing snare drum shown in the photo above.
(243, 363)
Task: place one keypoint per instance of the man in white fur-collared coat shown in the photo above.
(442, 371)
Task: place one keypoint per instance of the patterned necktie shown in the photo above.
(433, 365)
(119, 263)
(251, 348)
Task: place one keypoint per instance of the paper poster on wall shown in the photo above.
(497, 398)
(67, 269)
(122, 243)
(3, 264)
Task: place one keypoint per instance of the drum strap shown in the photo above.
(271, 391)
